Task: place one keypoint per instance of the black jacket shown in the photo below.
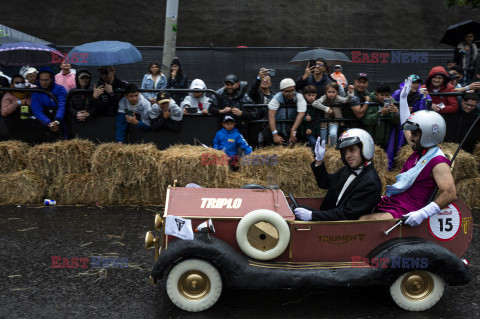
(108, 103)
(360, 198)
(238, 100)
(178, 83)
(83, 101)
(300, 83)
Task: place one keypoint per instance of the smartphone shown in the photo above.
(312, 63)
(270, 72)
(129, 112)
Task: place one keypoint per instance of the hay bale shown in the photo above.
(476, 153)
(89, 189)
(128, 164)
(50, 160)
(76, 188)
(291, 169)
(402, 156)
(22, 187)
(469, 192)
(13, 156)
(465, 164)
(206, 167)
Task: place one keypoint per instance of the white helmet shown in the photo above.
(357, 136)
(431, 124)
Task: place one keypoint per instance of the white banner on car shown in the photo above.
(179, 227)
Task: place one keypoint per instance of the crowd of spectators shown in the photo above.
(317, 103)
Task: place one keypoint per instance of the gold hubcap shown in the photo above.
(194, 285)
(263, 236)
(417, 285)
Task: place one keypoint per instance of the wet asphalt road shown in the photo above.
(31, 288)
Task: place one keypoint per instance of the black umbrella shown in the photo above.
(455, 33)
(332, 57)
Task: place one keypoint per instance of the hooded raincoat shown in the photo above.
(450, 102)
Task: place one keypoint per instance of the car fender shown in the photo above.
(400, 254)
(203, 246)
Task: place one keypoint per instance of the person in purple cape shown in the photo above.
(425, 169)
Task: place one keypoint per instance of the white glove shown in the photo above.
(319, 150)
(416, 217)
(303, 214)
(407, 86)
(404, 110)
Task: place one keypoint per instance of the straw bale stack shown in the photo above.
(195, 164)
(465, 164)
(289, 166)
(51, 160)
(469, 192)
(128, 164)
(22, 187)
(13, 156)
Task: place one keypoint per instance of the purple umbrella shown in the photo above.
(25, 53)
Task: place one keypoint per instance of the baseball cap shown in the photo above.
(228, 118)
(415, 78)
(362, 76)
(232, 78)
(285, 83)
(163, 97)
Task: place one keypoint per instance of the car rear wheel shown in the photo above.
(417, 290)
(263, 234)
(194, 285)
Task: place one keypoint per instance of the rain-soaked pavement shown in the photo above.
(31, 288)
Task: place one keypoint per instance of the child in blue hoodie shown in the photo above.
(229, 140)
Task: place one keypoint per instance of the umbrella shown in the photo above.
(332, 57)
(455, 33)
(25, 53)
(104, 53)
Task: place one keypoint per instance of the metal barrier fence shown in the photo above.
(200, 126)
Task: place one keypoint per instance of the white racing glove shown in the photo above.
(415, 218)
(319, 150)
(303, 214)
(404, 110)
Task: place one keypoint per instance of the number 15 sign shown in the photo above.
(445, 225)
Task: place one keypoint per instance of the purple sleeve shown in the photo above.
(437, 160)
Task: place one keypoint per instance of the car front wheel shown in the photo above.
(417, 290)
(194, 285)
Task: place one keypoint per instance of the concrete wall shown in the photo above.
(336, 24)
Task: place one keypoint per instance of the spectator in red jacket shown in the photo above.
(437, 82)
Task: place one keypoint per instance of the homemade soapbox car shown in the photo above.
(256, 243)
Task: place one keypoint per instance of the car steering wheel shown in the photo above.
(294, 203)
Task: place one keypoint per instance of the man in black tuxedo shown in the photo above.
(355, 189)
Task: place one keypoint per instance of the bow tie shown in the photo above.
(354, 171)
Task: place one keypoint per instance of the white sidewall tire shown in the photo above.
(417, 305)
(263, 215)
(193, 305)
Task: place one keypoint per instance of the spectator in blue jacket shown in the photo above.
(230, 140)
(44, 108)
(154, 79)
(133, 109)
